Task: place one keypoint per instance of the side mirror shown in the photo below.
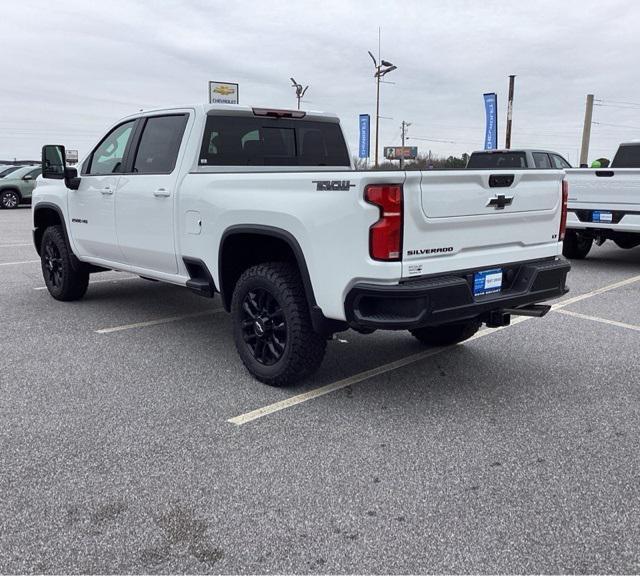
(27, 177)
(54, 166)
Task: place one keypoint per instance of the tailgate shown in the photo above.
(460, 220)
(604, 186)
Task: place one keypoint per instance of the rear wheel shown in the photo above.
(63, 281)
(272, 326)
(576, 246)
(448, 334)
(9, 199)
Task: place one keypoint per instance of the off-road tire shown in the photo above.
(447, 334)
(284, 325)
(576, 246)
(64, 281)
(9, 199)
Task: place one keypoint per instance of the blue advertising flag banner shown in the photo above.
(491, 111)
(365, 124)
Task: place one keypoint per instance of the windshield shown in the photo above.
(507, 160)
(20, 172)
(5, 170)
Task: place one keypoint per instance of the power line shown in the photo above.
(617, 125)
(626, 103)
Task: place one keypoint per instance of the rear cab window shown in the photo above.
(264, 141)
(497, 160)
(627, 156)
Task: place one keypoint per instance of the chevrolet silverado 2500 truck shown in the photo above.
(264, 208)
(604, 204)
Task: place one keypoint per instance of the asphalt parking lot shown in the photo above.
(133, 440)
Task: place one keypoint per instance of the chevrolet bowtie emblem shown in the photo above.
(499, 201)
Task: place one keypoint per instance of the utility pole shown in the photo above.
(512, 81)
(586, 132)
(405, 125)
(375, 162)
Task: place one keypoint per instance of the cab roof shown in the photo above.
(237, 109)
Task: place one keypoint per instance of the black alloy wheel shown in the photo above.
(52, 260)
(264, 328)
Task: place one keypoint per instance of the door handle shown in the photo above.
(162, 193)
(107, 190)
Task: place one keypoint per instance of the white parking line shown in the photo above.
(356, 378)
(595, 292)
(99, 281)
(14, 245)
(21, 262)
(601, 320)
(306, 396)
(158, 321)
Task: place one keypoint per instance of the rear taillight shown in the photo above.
(563, 215)
(385, 236)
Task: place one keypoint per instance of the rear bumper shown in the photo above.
(621, 220)
(448, 299)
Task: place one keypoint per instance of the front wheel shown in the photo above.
(272, 326)
(576, 246)
(64, 281)
(9, 199)
(447, 334)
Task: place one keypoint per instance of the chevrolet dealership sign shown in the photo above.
(223, 93)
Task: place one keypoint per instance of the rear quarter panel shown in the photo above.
(331, 226)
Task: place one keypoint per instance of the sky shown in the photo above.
(71, 69)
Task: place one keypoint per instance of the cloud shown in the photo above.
(70, 72)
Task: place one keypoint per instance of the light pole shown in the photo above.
(299, 90)
(381, 69)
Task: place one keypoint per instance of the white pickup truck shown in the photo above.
(604, 204)
(263, 207)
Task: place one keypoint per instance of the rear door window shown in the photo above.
(159, 144)
(248, 141)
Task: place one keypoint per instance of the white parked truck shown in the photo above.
(604, 204)
(263, 207)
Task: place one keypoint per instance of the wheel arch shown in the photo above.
(46, 214)
(244, 235)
